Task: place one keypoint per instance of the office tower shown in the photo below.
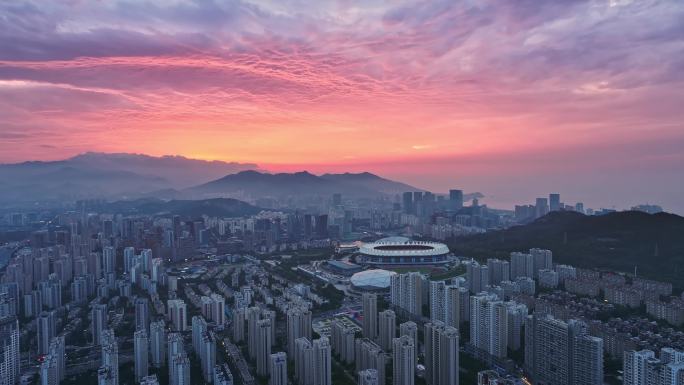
(9, 349)
(199, 327)
(342, 340)
(110, 354)
(515, 318)
(522, 265)
(322, 226)
(403, 361)
(369, 355)
(407, 203)
(263, 348)
(441, 354)
(406, 292)
(387, 321)
(47, 329)
(542, 259)
(278, 369)
(368, 377)
(498, 271)
(158, 343)
(253, 317)
(222, 375)
(142, 314)
(304, 361)
(180, 370)
(298, 325)
(541, 207)
(456, 199)
(370, 315)
(437, 301)
(489, 324)
(321, 361)
(410, 329)
(562, 353)
(477, 276)
(98, 322)
(177, 314)
(208, 355)
(554, 202)
(141, 350)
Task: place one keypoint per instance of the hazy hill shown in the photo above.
(258, 184)
(222, 207)
(368, 181)
(618, 241)
(99, 175)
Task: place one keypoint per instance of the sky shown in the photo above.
(513, 98)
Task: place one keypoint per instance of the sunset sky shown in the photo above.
(514, 98)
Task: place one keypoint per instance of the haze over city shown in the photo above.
(511, 98)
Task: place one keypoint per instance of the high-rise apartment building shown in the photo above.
(142, 313)
(410, 329)
(177, 313)
(489, 324)
(406, 292)
(388, 325)
(477, 276)
(9, 349)
(403, 361)
(370, 315)
(562, 353)
(370, 355)
(441, 354)
(278, 369)
(298, 325)
(342, 338)
(263, 348)
(141, 352)
(47, 329)
(158, 343)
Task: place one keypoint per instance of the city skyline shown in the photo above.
(513, 99)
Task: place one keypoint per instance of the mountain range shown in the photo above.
(620, 241)
(124, 176)
(254, 183)
(101, 175)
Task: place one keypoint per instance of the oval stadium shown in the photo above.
(402, 251)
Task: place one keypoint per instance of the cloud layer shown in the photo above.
(475, 91)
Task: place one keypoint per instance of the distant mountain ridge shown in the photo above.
(123, 176)
(261, 184)
(102, 175)
(654, 243)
